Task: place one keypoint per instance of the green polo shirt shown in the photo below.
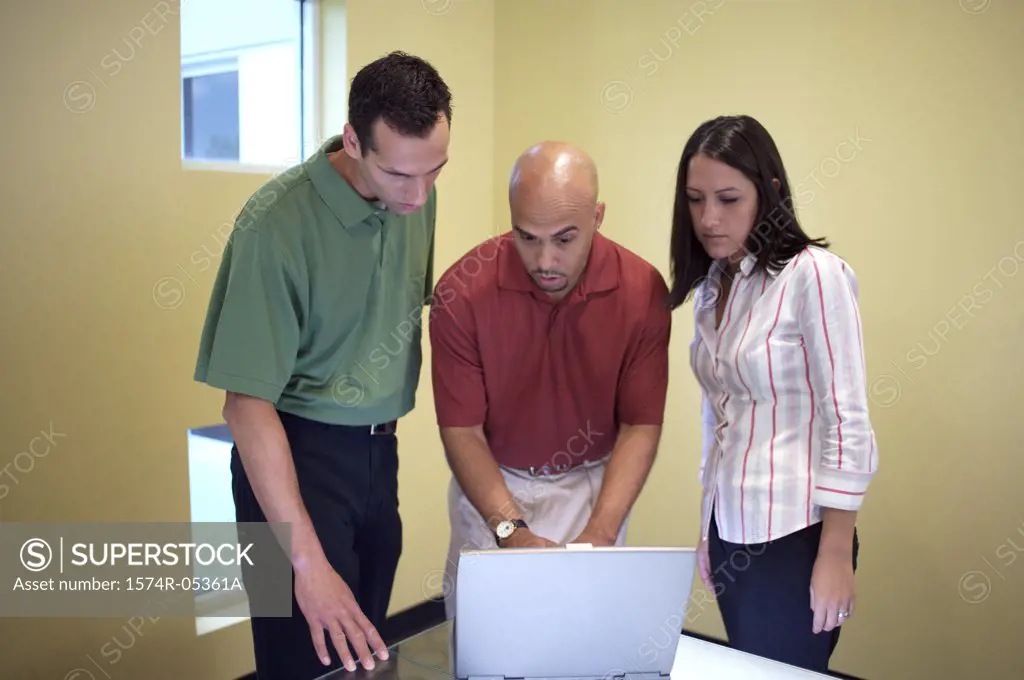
(318, 302)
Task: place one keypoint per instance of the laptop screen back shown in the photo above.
(566, 613)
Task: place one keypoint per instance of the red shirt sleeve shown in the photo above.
(643, 388)
(460, 399)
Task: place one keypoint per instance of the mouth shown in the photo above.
(549, 280)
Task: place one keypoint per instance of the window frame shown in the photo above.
(309, 97)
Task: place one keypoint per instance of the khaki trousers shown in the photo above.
(557, 507)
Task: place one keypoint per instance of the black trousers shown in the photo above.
(764, 595)
(348, 479)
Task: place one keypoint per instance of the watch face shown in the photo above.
(505, 529)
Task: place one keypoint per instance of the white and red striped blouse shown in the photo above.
(785, 407)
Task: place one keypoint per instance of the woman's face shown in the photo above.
(723, 205)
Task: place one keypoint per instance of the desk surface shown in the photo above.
(426, 657)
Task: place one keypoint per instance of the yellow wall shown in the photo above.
(924, 210)
(98, 210)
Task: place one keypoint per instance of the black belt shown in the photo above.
(384, 428)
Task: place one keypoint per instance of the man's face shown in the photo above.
(402, 170)
(553, 236)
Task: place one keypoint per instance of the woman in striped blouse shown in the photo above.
(789, 449)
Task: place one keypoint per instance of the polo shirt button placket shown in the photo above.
(553, 317)
(380, 218)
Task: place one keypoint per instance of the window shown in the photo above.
(210, 112)
(248, 83)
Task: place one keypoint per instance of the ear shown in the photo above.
(351, 142)
(777, 184)
(598, 216)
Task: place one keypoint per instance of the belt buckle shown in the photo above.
(548, 469)
(382, 428)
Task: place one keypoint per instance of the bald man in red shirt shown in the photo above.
(550, 369)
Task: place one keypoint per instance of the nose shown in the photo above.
(420, 192)
(548, 260)
(709, 216)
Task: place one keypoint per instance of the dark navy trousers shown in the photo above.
(763, 594)
(348, 479)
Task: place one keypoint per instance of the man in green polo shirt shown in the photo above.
(313, 331)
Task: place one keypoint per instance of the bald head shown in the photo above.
(553, 171)
(555, 213)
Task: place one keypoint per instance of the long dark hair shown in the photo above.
(743, 143)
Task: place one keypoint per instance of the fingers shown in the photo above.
(831, 617)
(704, 564)
(338, 612)
(536, 541)
(356, 628)
(848, 608)
(705, 575)
(820, 614)
(826, 613)
(827, 618)
(338, 638)
(317, 633)
(376, 642)
(820, 619)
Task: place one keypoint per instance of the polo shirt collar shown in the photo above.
(345, 202)
(602, 272)
(600, 275)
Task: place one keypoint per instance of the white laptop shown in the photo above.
(575, 613)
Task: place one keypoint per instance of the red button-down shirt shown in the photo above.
(551, 382)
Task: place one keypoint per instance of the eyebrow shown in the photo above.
(392, 171)
(559, 233)
(720, 191)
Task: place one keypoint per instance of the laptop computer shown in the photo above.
(572, 612)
